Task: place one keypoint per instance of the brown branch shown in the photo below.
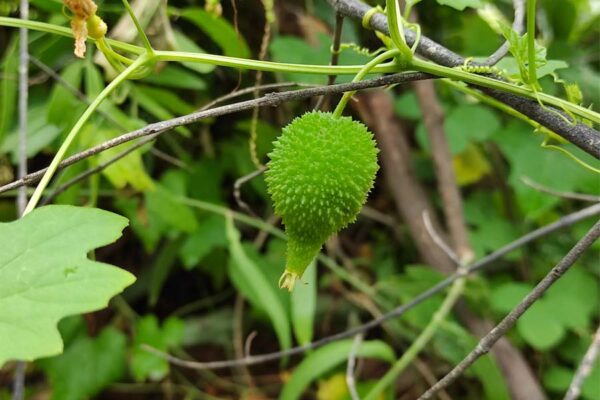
(410, 198)
(517, 26)
(269, 99)
(411, 201)
(581, 135)
(398, 311)
(486, 343)
(335, 54)
(433, 119)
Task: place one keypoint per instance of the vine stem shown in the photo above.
(242, 63)
(457, 74)
(370, 66)
(419, 344)
(531, 43)
(39, 190)
(269, 66)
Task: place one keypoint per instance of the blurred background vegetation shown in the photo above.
(202, 290)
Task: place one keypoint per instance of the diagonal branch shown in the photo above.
(398, 311)
(269, 99)
(486, 343)
(581, 135)
(585, 368)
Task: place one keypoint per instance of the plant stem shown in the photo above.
(370, 66)
(139, 28)
(531, 43)
(63, 31)
(397, 29)
(243, 63)
(421, 341)
(39, 190)
(460, 75)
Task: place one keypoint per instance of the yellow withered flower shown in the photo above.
(85, 23)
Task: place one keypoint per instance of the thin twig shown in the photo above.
(335, 54)
(398, 311)
(269, 99)
(98, 168)
(21, 366)
(237, 186)
(350, 369)
(565, 195)
(438, 240)
(486, 343)
(517, 26)
(585, 368)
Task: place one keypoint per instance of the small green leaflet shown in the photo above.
(460, 4)
(45, 275)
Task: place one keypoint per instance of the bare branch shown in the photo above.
(269, 99)
(437, 239)
(335, 54)
(585, 368)
(565, 195)
(350, 380)
(237, 186)
(21, 366)
(517, 26)
(96, 169)
(581, 135)
(486, 343)
(398, 311)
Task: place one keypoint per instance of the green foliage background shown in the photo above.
(194, 265)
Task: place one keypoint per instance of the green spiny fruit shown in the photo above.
(319, 175)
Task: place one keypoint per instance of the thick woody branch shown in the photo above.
(586, 138)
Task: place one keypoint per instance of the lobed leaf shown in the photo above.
(45, 275)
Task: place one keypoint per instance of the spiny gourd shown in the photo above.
(320, 172)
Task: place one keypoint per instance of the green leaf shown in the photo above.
(251, 281)
(45, 275)
(219, 30)
(176, 77)
(544, 166)
(87, 366)
(290, 49)
(324, 359)
(507, 296)
(63, 99)
(539, 327)
(461, 4)
(304, 304)
(145, 365)
(40, 134)
(8, 88)
(162, 265)
(128, 170)
(209, 235)
(407, 106)
(469, 123)
(184, 43)
(163, 206)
